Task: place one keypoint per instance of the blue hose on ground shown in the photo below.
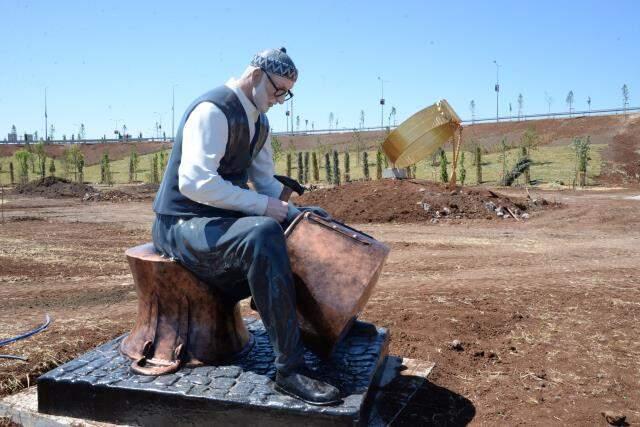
(27, 334)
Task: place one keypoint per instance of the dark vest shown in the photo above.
(234, 165)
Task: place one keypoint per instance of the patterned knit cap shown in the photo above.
(276, 61)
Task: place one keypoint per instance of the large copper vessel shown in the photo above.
(336, 268)
(421, 134)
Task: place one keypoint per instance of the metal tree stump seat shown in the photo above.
(180, 320)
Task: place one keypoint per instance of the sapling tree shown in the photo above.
(336, 167)
(81, 169)
(134, 162)
(73, 156)
(306, 166)
(520, 105)
(581, 147)
(504, 153)
(625, 98)
(32, 157)
(365, 165)
(379, 164)
(153, 169)
(462, 169)
(22, 157)
(529, 142)
(524, 154)
(316, 169)
(570, 101)
(347, 167)
(52, 168)
(106, 176)
(444, 175)
(327, 167)
(300, 168)
(478, 162)
(41, 158)
(276, 149)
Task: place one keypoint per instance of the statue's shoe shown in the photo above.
(307, 389)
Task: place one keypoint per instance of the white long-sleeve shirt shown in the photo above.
(204, 141)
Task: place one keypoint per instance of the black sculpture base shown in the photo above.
(99, 386)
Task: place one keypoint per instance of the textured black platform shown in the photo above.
(99, 386)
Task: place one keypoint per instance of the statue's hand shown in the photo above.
(277, 209)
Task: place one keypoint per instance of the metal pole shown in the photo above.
(381, 102)
(173, 113)
(497, 88)
(382, 98)
(46, 125)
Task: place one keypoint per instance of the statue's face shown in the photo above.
(264, 93)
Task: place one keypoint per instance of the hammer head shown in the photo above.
(290, 185)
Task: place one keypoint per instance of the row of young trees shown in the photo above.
(33, 161)
(308, 166)
(335, 167)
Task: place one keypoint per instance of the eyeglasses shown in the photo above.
(279, 92)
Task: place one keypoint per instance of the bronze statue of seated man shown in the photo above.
(230, 236)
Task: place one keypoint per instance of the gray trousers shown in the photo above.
(240, 257)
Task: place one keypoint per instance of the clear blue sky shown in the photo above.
(116, 61)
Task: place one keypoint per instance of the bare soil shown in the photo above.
(57, 188)
(416, 201)
(53, 187)
(623, 156)
(128, 193)
(546, 310)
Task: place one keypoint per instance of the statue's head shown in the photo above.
(270, 75)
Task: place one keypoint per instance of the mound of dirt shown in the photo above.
(126, 194)
(116, 196)
(415, 201)
(53, 187)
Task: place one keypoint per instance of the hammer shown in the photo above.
(290, 186)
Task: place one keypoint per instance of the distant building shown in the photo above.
(12, 138)
(28, 137)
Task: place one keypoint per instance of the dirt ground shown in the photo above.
(546, 310)
(416, 201)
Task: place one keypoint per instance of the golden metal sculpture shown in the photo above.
(422, 134)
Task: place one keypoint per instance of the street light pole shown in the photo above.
(381, 102)
(497, 88)
(173, 113)
(46, 128)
